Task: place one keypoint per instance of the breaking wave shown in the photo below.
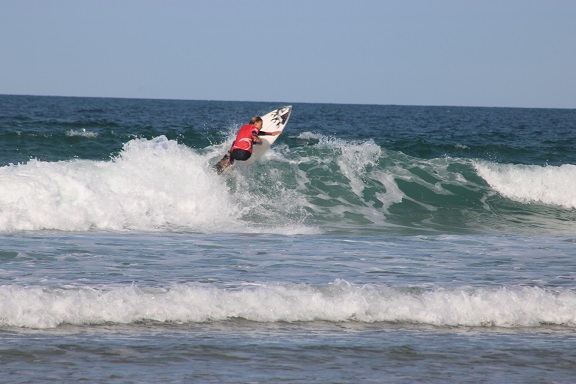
(312, 184)
(339, 301)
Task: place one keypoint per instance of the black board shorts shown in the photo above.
(239, 154)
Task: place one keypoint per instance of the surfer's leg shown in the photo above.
(223, 163)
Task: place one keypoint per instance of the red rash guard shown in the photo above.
(245, 137)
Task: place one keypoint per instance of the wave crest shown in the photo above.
(323, 185)
(553, 185)
(338, 301)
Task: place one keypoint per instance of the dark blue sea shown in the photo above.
(371, 243)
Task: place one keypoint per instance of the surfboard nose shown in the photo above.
(285, 113)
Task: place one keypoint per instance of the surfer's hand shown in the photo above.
(275, 133)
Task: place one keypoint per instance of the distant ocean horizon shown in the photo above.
(381, 104)
(371, 243)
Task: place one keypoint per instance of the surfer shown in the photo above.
(242, 147)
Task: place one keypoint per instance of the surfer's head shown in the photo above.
(257, 121)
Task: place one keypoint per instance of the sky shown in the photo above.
(495, 53)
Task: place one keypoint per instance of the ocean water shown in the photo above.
(370, 244)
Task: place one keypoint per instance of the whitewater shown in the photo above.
(338, 301)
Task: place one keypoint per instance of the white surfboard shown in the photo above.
(273, 121)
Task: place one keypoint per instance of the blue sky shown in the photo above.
(505, 53)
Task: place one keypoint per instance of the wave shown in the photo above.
(309, 184)
(339, 301)
(150, 185)
(551, 185)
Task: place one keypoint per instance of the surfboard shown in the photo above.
(275, 120)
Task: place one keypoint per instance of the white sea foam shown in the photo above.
(553, 185)
(309, 136)
(82, 133)
(153, 183)
(339, 301)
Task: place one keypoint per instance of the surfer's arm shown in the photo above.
(256, 139)
(275, 133)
